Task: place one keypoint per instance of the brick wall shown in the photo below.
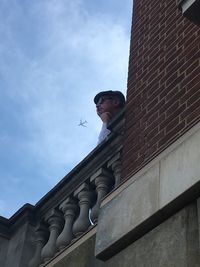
(163, 97)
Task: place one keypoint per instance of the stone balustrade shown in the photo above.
(74, 216)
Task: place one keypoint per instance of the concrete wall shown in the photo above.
(18, 250)
(3, 250)
(175, 242)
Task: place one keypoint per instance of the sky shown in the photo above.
(55, 55)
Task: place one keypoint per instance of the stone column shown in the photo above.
(85, 197)
(115, 165)
(69, 208)
(116, 168)
(40, 240)
(103, 181)
(55, 221)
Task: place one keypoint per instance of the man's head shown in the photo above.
(109, 102)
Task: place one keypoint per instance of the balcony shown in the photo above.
(37, 234)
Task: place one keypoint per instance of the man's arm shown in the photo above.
(103, 133)
(105, 117)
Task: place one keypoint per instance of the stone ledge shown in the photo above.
(171, 182)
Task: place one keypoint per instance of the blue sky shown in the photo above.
(55, 55)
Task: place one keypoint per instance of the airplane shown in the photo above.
(82, 123)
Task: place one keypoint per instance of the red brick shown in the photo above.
(163, 95)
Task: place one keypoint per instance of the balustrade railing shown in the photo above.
(73, 217)
(74, 207)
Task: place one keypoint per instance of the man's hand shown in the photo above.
(105, 117)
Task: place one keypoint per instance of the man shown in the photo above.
(108, 104)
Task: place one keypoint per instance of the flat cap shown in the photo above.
(110, 93)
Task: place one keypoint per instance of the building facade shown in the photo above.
(135, 199)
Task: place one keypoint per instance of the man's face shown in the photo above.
(105, 104)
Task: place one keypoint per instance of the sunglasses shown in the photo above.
(103, 99)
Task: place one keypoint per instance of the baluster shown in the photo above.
(40, 240)
(69, 208)
(85, 198)
(115, 165)
(55, 221)
(103, 181)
